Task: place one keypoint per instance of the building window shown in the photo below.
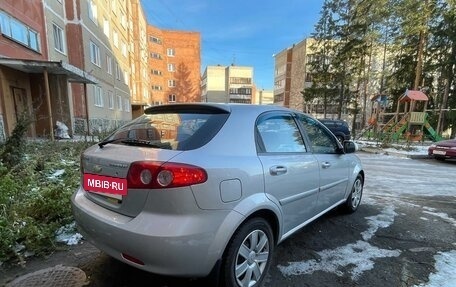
(240, 91)
(118, 72)
(157, 88)
(124, 49)
(94, 54)
(110, 100)
(123, 20)
(114, 6)
(119, 102)
(98, 96)
(155, 55)
(109, 64)
(59, 42)
(171, 68)
(126, 78)
(171, 83)
(115, 39)
(106, 27)
(238, 80)
(170, 52)
(93, 12)
(19, 32)
(156, 72)
(309, 77)
(155, 40)
(127, 105)
(172, 98)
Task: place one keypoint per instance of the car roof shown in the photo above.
(229, 107)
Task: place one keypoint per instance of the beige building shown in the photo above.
(291, 75)
(228, 84)
(140, 78)
(263, 97)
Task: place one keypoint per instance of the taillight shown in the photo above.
(153, 174)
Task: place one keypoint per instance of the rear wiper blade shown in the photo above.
(147, 143)
(105, 142)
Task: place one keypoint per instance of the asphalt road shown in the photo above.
(407, 217)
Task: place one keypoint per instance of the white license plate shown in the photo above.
(105, 185)
(439, 152)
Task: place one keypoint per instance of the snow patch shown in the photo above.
(445, 265)
(424, 218)
(357, 257)
(382, 220)
(56, 174)
(67, 234)
(443, 216)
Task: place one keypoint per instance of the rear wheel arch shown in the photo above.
(271, 218)
(265, 218)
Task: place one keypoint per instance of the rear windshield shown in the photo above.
(175, 129)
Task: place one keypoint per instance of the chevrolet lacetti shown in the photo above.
(200, 189)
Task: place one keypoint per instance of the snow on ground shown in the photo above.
(444, 216)
(445, 275)
(397, 148)
(390, 178)
(382, 220)
(398, 177)
(358, 256)
(57, 174)
(67, 234)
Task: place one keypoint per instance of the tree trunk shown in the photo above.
(419, 61)
(366, 82)
(443, 106)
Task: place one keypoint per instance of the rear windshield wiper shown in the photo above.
(105, 142)
(137, 142)
(155, 144)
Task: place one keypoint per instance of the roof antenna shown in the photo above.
(234, 59)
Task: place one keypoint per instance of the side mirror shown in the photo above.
(350, 147)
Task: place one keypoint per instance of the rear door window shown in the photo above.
(280, 134)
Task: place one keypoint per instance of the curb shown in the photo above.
(381, 151)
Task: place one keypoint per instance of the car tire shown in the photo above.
(354, 199)
(252, 261)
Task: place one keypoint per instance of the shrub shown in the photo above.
(33, 202)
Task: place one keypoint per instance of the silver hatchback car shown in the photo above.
(198, 189)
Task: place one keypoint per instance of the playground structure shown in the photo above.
(407, 123)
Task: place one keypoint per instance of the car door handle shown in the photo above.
(277, 170)
(326, 164)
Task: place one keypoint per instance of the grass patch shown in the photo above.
(35, 192)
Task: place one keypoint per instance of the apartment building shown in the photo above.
(80, 62)
(291, 75)
(33, 79)
(140, 76)
(228, 84)
(174, 66)
(105, 30)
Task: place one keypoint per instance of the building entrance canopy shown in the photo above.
(73, 73)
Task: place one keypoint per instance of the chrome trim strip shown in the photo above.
(310, 220)
(298, 196)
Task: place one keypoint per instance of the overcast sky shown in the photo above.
(247, 33)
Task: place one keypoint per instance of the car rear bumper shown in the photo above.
(169, 244)
(442, 153)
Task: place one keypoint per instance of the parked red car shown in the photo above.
(443, 150)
